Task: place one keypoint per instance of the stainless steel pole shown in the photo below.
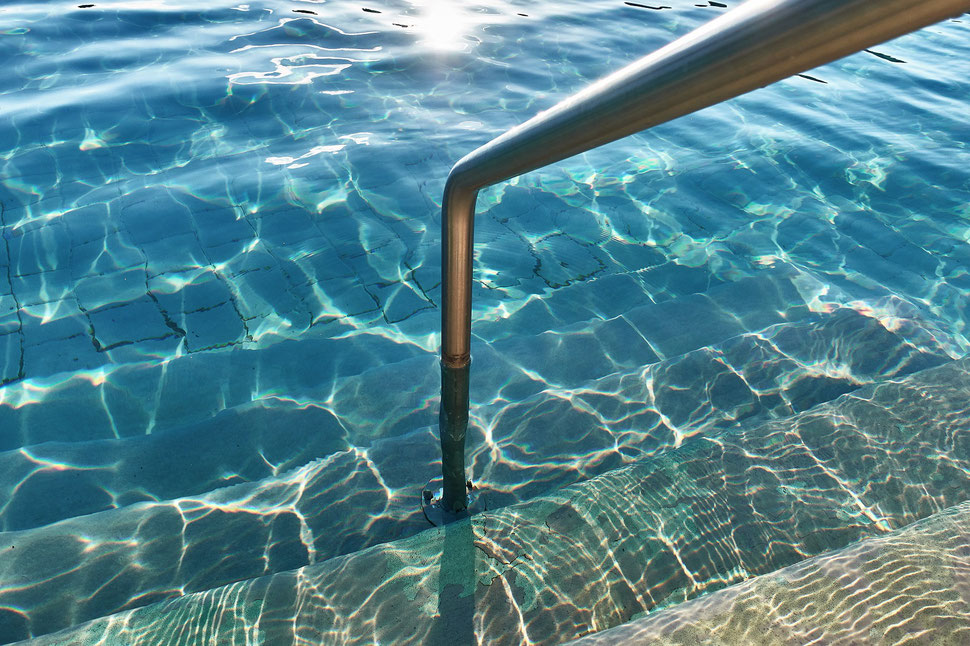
(759, 42)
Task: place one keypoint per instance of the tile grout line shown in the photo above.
(20, 319)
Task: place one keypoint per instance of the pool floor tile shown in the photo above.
(110, 253)
(65, 355)
(102, 290)
(188, 291)
(10, 356)
(212, 328)
(44, 287)
(173, 253)
(128, 323)
(152, 214)
(39, 250)
(89, 223)
(37, 331)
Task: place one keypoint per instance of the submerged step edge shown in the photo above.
(717, 511)
(362, 496)
(910, 586)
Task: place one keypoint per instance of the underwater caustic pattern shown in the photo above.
(909, 587)
(268, 514)
(714, 512)
(220, 282)
(182, 181)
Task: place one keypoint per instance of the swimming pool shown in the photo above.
(220, 227)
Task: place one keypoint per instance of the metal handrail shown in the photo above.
(758, 43)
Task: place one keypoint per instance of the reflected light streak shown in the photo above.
(51, 465)
(289, 74)
(290, 162)
(34, 391)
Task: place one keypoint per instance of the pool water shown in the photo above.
(220, 274)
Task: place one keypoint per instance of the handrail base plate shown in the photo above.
(434, 510)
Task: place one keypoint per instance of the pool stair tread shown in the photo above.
(352, 377)
(636, 336)
(148, 397)
(55, 480)
(803, 357)
(712, 512)
(51, 341)
(77, 568)
(613, 419)
(776, 372)
(347, 501)
(602, 297)
(908, 585)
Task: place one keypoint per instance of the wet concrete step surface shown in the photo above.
(95, 446)
(906, 587)
(288, 478)
(773, 372)
(715, 511)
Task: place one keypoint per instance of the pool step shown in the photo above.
(89, 566)
(120, 423)
(603, 297)
(521, 448)
(149, 396)
(348, 501)
(378, 451)
(909, 585)
(52, 481)
(351, 375)
(611, 420)
(140, 393)
(710, 513)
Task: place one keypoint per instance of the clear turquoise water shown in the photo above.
(219, 274)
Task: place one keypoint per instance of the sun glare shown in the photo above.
(443, 25)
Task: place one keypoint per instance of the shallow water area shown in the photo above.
(219, 272)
